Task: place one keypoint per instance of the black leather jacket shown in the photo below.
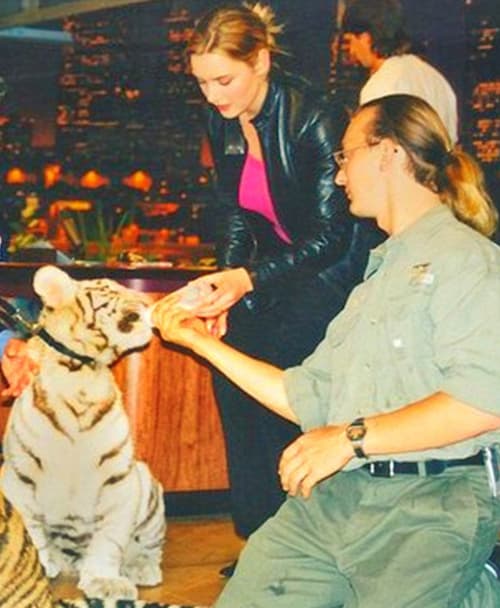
(298, 134)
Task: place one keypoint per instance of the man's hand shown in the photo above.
(178, 325)
(17, 367)
(312, 457)
(217, 326)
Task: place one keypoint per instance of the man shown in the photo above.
(393, 485)
(376, 39)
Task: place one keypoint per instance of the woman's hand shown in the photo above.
(227, 288)
(17, 367)
(312, 457)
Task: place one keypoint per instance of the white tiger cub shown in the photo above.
(69, 468)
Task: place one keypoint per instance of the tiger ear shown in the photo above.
(54, 286)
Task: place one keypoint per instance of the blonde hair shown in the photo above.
(435, 163)
(239, 32)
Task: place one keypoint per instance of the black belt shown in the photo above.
(389, 468)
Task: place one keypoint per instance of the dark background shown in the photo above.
(445, 32)
(31, 69)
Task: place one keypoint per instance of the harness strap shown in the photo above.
(13, 318)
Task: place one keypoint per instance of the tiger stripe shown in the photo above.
(40, 402)
(22, 581)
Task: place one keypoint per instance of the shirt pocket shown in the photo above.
(408, 334)
(347, 322)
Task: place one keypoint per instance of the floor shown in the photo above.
(195, 550)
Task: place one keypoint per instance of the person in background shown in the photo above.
(393, 485)
(282, 228)
(17, 367)
(376, 38)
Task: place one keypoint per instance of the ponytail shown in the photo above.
(450, 172)
(268, 18)
(463, 190)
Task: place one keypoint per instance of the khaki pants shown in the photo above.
(363, 542)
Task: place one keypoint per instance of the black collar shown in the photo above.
(14, 319)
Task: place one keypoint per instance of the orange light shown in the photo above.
(51, 175)
(139, 180)
(72, 205)
(160, 208)
(131, 94)
(93, 179)
(16, 176)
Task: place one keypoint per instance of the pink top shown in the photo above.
(254, 194)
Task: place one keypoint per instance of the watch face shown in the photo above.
(356, 433)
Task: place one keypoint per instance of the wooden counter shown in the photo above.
(168, 393)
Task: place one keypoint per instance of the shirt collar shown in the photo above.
(409, 238)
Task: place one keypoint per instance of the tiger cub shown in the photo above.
(69, 468)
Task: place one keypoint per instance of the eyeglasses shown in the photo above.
(341, 156)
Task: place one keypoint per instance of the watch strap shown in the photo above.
(356, 432)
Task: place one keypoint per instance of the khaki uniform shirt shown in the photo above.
(426, 319)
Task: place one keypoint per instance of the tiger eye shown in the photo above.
(125, 324)
(132, 317)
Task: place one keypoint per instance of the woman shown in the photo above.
(282, 226)
(406, 377)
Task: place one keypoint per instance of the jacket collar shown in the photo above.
(269, 102)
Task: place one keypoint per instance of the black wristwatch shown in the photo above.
(356, 432)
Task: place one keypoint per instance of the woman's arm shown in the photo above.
(316, 213)
(301, 180)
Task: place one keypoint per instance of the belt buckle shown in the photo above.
(381, 468)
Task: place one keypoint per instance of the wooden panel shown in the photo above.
(169, 399)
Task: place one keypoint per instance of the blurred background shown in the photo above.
(102, 149)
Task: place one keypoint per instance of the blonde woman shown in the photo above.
(282, 225)
(394, 493)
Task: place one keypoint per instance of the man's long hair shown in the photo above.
(383, 20)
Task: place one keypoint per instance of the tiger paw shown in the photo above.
(144, 572)
(50, 565)
(118, 587)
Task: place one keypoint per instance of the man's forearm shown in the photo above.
(434, 422)
(261, 380)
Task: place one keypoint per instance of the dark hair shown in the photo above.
(383, 20)
(239, 32)
(450, 172)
